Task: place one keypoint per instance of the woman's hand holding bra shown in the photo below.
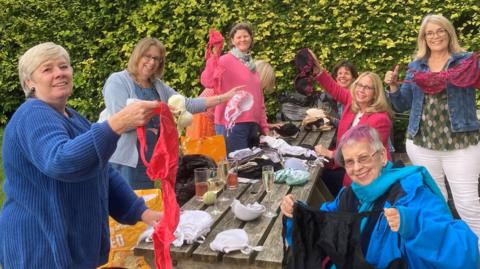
(135, 114)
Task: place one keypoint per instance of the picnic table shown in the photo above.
(262, 231)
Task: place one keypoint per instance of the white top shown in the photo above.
(357, 118)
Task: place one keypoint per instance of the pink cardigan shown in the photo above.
(230, 73)
(379, 120)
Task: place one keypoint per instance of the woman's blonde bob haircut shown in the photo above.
(423, 51)
(34, 57)
(379, 103)
(138, 52)
(266, 74)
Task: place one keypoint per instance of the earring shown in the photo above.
(32, 92)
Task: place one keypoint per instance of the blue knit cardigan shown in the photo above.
(60, 190)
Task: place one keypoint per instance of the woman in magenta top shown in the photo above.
(237, 68)
(364, 103)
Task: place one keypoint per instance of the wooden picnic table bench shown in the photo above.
(262, 231)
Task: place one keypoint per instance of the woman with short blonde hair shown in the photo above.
(33, 58)
(59, 187)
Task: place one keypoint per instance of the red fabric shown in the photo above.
(380, 120)
(163, 166)
(464, 75)
(215, 42)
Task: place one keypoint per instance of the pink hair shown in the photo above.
(359, 133)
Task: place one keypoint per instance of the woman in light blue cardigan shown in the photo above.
(141, 80)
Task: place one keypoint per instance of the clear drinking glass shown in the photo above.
(327, 107)
(232, 177)
(201, 176)
(215, 184)
(222, 172)
(268, 176)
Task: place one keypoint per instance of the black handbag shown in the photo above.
(185, 183)
(293, 105)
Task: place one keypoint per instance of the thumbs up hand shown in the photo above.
(393, 218)
(391, 78)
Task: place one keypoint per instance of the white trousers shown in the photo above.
(462, 169)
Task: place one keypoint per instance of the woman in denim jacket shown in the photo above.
(443, 129)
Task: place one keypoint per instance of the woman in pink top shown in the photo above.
(364, 103)
(237, 68)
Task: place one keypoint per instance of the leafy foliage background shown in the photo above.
(100, 35)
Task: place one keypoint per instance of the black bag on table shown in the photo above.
(293, 106)
(185, 182)
(255, 172)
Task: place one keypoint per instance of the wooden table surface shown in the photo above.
(262, 231)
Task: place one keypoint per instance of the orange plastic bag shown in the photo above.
(201, 126)
(211, 146)
(123, 238)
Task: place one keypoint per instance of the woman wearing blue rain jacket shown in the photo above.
(414, 224)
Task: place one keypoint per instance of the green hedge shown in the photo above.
(101, 34)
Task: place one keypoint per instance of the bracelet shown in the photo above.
(219, 99)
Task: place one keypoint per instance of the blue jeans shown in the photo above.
(240, 136)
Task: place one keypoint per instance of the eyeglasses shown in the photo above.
(363, 86)
(439, 32)
(362, 160)
(154, 58)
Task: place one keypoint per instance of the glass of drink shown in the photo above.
(215, 184)
(327, 107)
(222, 172)
(268, 176)
(201, 176)
(232, 177)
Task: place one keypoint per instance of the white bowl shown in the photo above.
(247, 212)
